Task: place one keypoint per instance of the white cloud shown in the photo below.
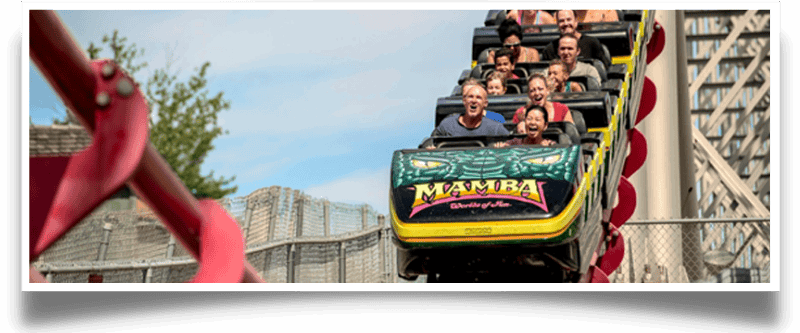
(363, 186)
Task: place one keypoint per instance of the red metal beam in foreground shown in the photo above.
(114, 111)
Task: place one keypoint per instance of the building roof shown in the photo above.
(57, 140)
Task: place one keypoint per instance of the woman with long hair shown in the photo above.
(537, 95)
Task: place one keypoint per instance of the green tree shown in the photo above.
(69, 118)
(186, 117)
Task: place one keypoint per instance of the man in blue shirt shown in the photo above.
(472, 122)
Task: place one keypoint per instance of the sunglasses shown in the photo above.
(511, 45)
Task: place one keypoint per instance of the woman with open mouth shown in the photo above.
(537, 95)
(536, 122)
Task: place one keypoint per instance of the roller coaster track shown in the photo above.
(448, 252)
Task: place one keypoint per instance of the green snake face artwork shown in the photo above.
(465, 184)
(516, 162)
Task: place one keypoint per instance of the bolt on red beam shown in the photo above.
(69, 72)
(656, 43)
(94, 174)
(615, 250)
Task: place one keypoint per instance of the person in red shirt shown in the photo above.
(537, 95)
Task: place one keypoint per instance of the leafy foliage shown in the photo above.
(186, 117)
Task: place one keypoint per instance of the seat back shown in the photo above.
(567, 128)
(483, 57)
(617, 36)
(504, 104)
(606, 53)
(580, 124)
(556, 135)
(598, 65)
(613, 87)
(514, 89)
(595, 106)
(496, 16)
(587, 83)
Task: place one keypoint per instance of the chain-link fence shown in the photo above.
(290, 237)
(694, 251)
(699, 250)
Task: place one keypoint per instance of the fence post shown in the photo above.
(103, 250)
(170, 254)
(342, 263)
(298, 232)
(298, 224)
(326, 213)
(275, 196)
(631, 266)
(267, 264)
(364, 217)
(148, 275)
(382, 248)
(171, 246)
(274, 214)
(248, 215)
(290, 264)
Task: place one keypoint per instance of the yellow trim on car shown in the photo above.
(442, 232)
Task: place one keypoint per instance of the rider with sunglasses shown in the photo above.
(511, 35)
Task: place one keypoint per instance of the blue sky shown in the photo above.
(319, 99)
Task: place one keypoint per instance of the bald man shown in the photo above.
(472, 122)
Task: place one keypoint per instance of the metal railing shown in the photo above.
(294, 238)
(290, 237)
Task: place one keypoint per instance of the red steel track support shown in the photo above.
(648, 100)
(656, 43)
(64, 190)
(615, 243)
(638, 152)
(626, 205)
(614, 252)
